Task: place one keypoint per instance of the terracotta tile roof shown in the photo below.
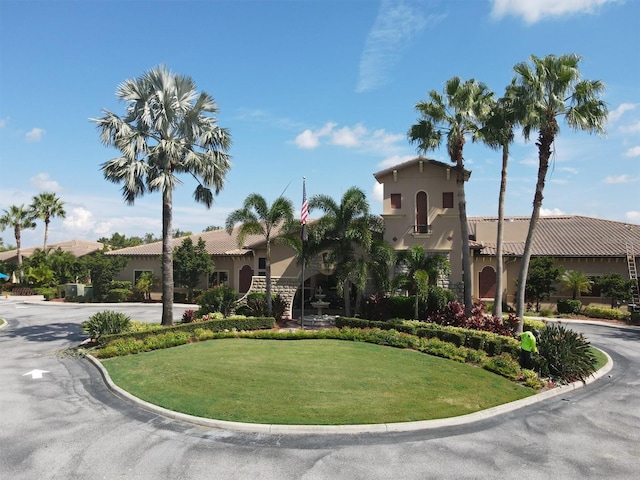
(218, 243)
(77, 247)
(569, 236)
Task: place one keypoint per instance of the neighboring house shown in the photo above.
(419, 208)
(78, 248)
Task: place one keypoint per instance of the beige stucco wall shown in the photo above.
(444, 237)
(588, 266)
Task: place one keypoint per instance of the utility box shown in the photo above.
(74, 289)
(88, 293)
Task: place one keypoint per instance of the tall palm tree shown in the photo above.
(258, 218)
(46, 206)
(20, 218)
(420, 269)
(497, 133)
(548, 88)
(456, 114)
(168, 129)
(347, 230)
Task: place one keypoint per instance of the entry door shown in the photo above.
(487, 283)
(244, 279)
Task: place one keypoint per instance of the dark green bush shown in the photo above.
(119, 295)
(217, 299)
(49, 293)
(106, 323)
(402, 307)
(564, 354)
(256, 305)
(120, 284)
(569, 306)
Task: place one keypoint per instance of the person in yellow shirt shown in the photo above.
(527, 349)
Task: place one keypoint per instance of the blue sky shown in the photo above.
(323, 89)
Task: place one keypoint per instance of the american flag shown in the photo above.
(304, 211)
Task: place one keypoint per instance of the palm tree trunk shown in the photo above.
(16, 233)
(464, 233)
(167, 258)
(268, 279)
(347, 298)
(497, 301)
(545, 141)
(46, 235)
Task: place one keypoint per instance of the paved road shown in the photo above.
(68, 425)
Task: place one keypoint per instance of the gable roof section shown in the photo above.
(415, 161)
(567, 236)
(76, 247)
(217, 243)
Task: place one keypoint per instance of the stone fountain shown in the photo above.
(319, 319)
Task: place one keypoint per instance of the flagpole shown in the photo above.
(304, 213)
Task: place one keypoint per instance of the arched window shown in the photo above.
(422, 215)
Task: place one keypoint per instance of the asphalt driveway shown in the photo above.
(58, 420)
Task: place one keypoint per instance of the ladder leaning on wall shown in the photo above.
(633, 276)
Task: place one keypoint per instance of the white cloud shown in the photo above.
(348, 137)
(397, 24)
(3, 122)
(377, 192)
(394, 160)
(79, 222)
(633, 152)
(633, 128)
(573, 171)
(632, 216)
(358, 136)
(42, 181)
(546, 212)
(34, 135)
(559, 181)
(310, 139)
(533, 11)
(624, 178)
(618, 112)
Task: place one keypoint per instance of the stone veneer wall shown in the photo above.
(286, 287)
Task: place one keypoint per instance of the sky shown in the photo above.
(321, 89)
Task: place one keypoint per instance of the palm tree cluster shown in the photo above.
(542, 91)
(44, 206)
(169, 128)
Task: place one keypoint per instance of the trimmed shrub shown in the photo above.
(106, 323)
(504, 365)
(606, 313)
(569, 306)
(564, 355)
(119, 295)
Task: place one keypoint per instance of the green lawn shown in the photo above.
(305, 382)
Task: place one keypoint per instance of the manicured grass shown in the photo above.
(306, 382)
(601, 358)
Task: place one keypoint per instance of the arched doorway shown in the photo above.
(244, 279)
(487, 283)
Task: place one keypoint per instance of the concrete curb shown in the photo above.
(348, 429)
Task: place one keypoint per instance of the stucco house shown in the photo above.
(420, 208)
